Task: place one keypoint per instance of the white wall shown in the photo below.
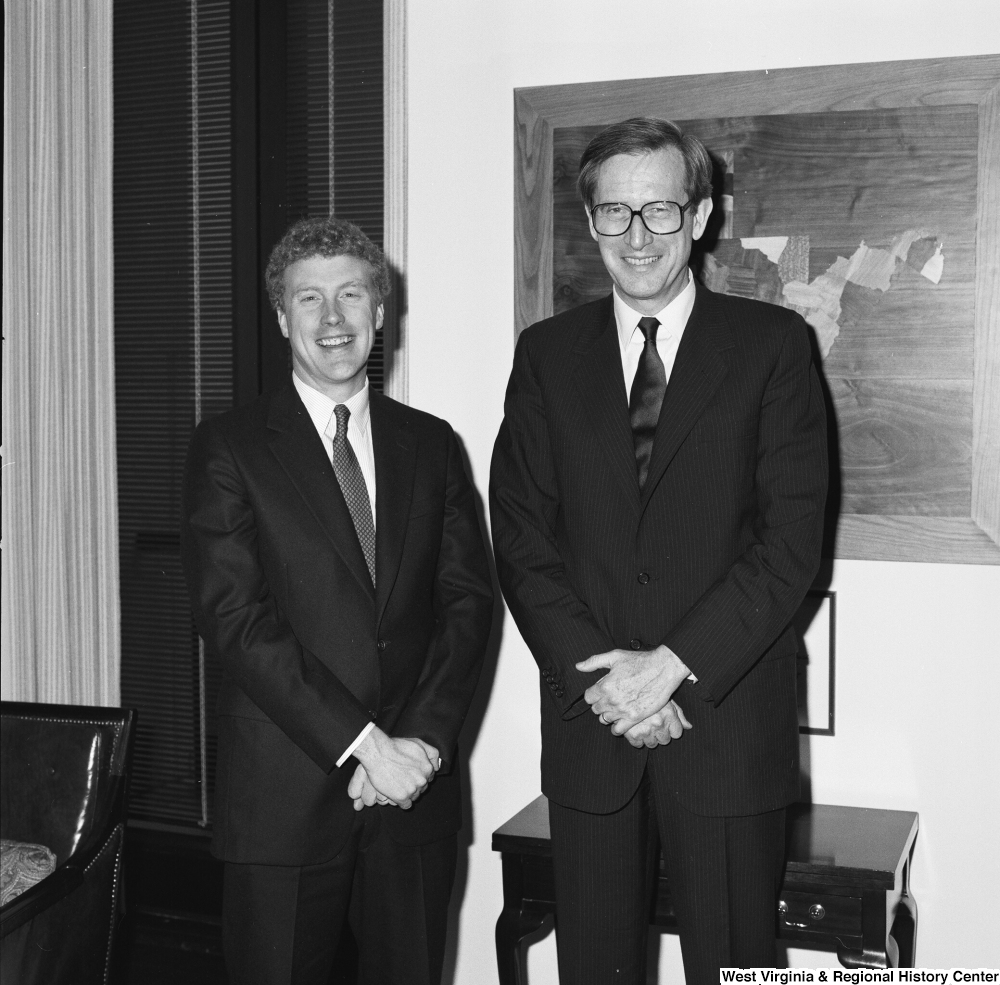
(917, 644)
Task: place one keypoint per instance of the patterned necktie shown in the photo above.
(648, 388)
(352, 485)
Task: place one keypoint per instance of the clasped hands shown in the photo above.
(635, 697)
(393, 771)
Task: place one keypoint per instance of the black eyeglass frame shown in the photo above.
(689, 204)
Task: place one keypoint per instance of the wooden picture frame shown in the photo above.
(925, 530)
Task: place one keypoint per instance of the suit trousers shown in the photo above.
(281, 924)
(724, 875)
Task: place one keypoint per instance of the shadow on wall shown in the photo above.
(393, 328)
(467, 742)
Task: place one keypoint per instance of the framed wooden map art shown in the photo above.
(866, 197)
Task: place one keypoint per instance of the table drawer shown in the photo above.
(818, 912)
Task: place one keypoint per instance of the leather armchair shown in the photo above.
(63, 783)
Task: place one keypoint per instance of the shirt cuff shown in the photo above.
(362, 735)
(690, 677)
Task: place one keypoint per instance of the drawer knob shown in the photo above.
(782, 906)
(816, 912)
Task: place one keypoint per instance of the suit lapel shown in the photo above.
(698, 370)
(300, 451)
(395, 463)
(602, 388)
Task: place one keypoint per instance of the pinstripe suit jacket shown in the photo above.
(711, 559)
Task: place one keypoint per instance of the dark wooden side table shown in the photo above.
(846, 885)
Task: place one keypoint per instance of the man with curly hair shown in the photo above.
(336, 566)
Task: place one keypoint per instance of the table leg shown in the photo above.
(878, 949)
(904, 930)
(519, 920)
(515, 924)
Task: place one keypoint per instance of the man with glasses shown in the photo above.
(657, 498)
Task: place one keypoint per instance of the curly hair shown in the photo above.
(324, 237)
(640, 135)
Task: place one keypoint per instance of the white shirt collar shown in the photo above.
(320, 407)
(672, 318)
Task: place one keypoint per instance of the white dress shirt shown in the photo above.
(673, 319)
(359, 434)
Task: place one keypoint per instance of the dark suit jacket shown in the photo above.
(310, 653)
(712, 559)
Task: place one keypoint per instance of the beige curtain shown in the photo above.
(395, 86)
(60, 633)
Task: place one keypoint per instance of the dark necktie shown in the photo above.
(648, 388)
(352, 485)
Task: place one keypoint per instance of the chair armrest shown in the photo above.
(70, 875)
(39, 897)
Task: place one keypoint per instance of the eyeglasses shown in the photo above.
(660, 218)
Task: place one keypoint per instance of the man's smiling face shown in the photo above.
(648, 270)
(330, 317)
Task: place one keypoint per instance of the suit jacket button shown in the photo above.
(560, 693)
(636, 644)
(381, 644)
(643, 578)
(371, 714)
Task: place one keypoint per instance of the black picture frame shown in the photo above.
(817, 668)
